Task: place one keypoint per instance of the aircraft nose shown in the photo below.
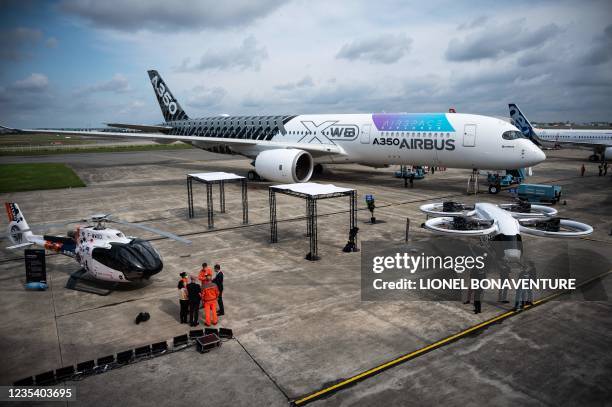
(534, 155)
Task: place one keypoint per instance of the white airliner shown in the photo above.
(599, 140)
(289, 148)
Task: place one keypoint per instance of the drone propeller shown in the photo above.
(447, 208)
(523, 209)
(169, 235)
(554, 227)
(461, 225)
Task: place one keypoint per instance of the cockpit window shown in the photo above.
(512, 135)
(136, 256)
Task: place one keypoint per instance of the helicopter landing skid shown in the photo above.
(78, 282)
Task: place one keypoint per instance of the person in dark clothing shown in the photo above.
(582, 170)
(183, 298)
(193, 293)
(411, 179)
(605, 168)
(479, 293)
(219, 281)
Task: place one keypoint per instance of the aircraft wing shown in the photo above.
(141, 127)
(315, 149)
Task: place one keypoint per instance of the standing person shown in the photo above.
(479, 292)
(204, 271)
(605, 168)
(521, 294)
(582, 170)
(193, 294)
(183, 298)
(504, 275)
(411, 178)
(210, 294)
(532, 273)
(218, 280)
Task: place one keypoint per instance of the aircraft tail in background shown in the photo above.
(523, 124)
(170, 107)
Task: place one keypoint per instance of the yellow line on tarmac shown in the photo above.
(418, 352)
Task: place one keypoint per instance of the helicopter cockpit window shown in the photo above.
(119, 234)
(136, 256)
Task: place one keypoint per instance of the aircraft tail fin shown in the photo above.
(170, 107)
(523, 124)
(18, 229)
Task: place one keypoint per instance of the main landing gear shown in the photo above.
(253, 176)
(594, 158)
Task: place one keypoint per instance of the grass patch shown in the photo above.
(30, 177)
(18, 140)
(92, 149)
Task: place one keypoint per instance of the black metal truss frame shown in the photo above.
(209, 198)
(311, 214)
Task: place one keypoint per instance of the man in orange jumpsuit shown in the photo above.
(210, 293)
(205, 271)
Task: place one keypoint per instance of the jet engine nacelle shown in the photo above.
(608, 154)
(284, 165)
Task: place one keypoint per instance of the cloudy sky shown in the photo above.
(72, 63)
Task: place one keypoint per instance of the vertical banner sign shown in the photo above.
(36, 270)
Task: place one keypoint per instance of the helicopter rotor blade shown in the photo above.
(150, 229)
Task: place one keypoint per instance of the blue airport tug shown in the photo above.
(405, 172)
(511, 177)
(538, 194)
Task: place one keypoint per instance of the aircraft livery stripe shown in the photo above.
(239, 127)
(412, 122)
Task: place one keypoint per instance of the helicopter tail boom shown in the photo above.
(18, 229)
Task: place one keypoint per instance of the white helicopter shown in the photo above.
(503, 223)
(103, 253)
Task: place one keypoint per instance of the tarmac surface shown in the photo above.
(300, 326)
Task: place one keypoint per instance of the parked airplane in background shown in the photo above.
(287, 148)
(599, 140)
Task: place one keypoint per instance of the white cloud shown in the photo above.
(497, 40)
(51, 42)
(381, 49)
(305, 82)
(36, 82)
(249, 55)
(117, 84)
(13, 42)
(163, 15)
(206, 98)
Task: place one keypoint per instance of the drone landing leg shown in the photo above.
(79, 282)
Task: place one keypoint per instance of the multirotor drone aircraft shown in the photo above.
(103, 253)
(503, 223)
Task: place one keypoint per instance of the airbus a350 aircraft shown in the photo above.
(599, 140)
(287, 148)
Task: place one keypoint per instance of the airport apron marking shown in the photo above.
(378, 369)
